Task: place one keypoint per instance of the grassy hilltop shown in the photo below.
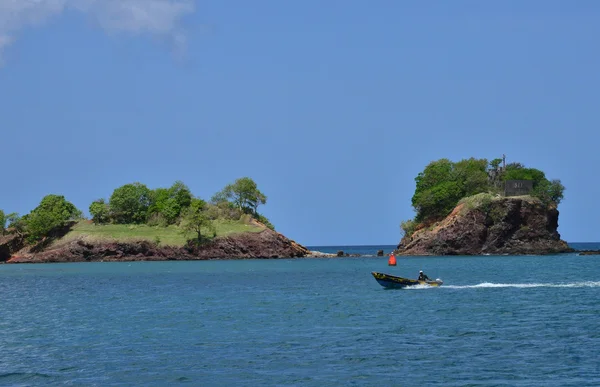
(170, 236)
(170, 216)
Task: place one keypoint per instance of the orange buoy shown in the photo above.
(392, 260)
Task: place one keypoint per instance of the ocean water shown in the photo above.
(496, 321)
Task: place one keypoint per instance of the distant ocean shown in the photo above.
(365, 250)
(496, 321)
(371, 250)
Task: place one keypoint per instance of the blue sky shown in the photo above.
(332, 107)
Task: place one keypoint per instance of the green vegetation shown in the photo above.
(245, 196)
(2, 222)
(16, 223)
(474, 182)
(408, 227)
(169, 216)
(53, 212)
(130, 203)
(100, 211)
(167, 236)
(197, 221)
(480, 200)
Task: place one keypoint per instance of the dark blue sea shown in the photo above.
(496, 321)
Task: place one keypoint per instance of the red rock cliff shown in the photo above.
(263, 244)
(511, 225)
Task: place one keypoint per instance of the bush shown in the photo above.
(2, 222)
(408, 227)
(100, 211)
(52, 212)
(263, 219)
(130, 203)
(157, 220)
(443, 183)
(196, 223)
(481, 201)
(169, 203)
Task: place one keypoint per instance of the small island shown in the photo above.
(476, 207)
(469, 207)
(138, 223)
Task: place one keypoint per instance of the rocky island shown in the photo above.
(138, 223)
(503, 225)
(476, 207)
(470, 207)
(260, 243)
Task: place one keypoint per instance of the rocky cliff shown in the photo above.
(263, 244)
(502, 225)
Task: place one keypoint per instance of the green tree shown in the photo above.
(16, 223)
(435, 172)
(100, 211)
(549, 192)
(158, 208)
(495, 163)
(52, 212)
(244, 193)
(407, 227)
(130, 203)
(556, 191)
(2, 222)
(471, 175)
(224, 210)
(438, 201)
(167, 203)
(181, 193)
(196, 221)
(443, 183)
(519, 172)
(514, 166)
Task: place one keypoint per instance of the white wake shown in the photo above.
(584, 284)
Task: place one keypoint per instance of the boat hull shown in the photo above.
(394, 282)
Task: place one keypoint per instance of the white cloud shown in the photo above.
(156, 17)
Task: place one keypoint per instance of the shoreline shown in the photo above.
(16, 260)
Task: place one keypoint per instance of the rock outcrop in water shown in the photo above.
(507, 225)
(263, 244)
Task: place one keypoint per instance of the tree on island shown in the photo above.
(2, 222)
(9, 221)
(244, 193)
(443, 183)
(548, 191)
(167, 204)
(136, 204)
(196, 220)
(100, 211)
(53, 211)
(129, 203)
(16, 223)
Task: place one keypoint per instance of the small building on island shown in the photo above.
(518, 187)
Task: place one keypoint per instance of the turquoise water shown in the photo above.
(497, 321)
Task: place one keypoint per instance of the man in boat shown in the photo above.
(423, 276)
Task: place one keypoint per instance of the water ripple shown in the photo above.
(496, 321)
